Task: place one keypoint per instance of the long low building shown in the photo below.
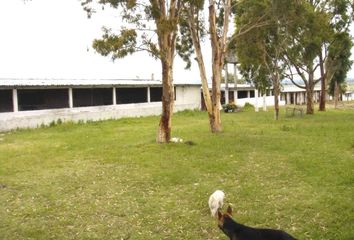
(29, 103)
(246, 93)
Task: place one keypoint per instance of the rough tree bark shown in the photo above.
(276, 85)
(336, 94)
(167, 33)
(322, 106)
(165, 125)
(310, 86)
(218, 45)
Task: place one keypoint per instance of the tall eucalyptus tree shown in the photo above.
(141, 18)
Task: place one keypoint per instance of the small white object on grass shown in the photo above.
(216, 200)
(176, 139)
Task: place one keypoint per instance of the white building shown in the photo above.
(30, 103)
(245, 93)
(292, 94)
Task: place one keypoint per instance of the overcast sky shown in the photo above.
(53, 38)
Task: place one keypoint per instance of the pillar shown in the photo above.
(71, 102)
(236, 80)
(256, 100)
(264, 102)
(148, 95)
(287, 98)
(226, 85)
(114, 96)
(235, 96)
(15, 100)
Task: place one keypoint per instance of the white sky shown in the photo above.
(50, 39)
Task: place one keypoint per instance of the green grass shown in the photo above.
(109, 180)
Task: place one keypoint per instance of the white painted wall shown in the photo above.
(188, 97)
(269, 101)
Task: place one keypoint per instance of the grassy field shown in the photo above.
(109, 180)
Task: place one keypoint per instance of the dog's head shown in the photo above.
(225, 221)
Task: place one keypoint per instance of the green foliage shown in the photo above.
(118, 46)
(139, 22)
(308, 32)
(339, 56)
(248, 107)
(260, 49)
(184, 43)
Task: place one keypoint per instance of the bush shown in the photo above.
(230, 107)
(248, 107)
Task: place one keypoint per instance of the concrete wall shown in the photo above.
(187, 97)
(269, 101)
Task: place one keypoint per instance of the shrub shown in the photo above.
(230, 107)
(248, 107)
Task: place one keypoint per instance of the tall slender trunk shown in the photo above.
(200, 60)
(215, 120)
(167, 45)
(336, 94)
(218, 46)
(165, 125)
(309, 105)
(322, 106)
(276, 85)
(310, 86)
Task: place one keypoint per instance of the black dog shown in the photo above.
(236, 231)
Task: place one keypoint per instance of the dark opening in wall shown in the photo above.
(283, 97)
(252, 94)
(84, 97)
(156, 94)
(6, 101)
(270, 92)
(231, 97)
(131, 95)
(222, 97)
(36, 99)
(242, 94)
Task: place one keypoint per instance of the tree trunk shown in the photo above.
(218, 46)
(215, 120)
(165, 125)
(200, 60)
(310, 86)
(276, 85)
(336, 94)
(322, 106)
(167, 42)
(309, 99)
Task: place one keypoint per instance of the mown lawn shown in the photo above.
(109, 180)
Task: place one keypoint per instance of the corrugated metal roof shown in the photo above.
(4, 82)
(293, 88)
(232, 85)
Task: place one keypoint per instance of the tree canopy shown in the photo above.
(150, 26)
